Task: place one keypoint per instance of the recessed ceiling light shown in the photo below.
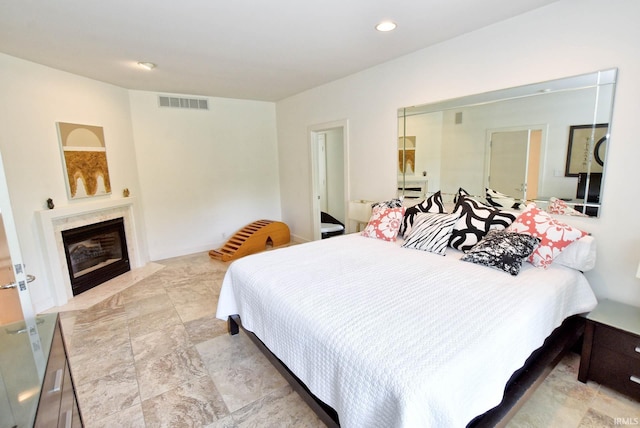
(385, 26)
(147, 65)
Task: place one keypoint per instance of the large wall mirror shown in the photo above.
(532, 143)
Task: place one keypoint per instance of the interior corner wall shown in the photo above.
(204, 174)
(34, 98)
(547, 43)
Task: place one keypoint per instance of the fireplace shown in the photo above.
(95, 253)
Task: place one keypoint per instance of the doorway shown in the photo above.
(513, 164)
(15, 300)
(329, 171)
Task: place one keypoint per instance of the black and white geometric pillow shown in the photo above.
(461, 192)
(500, 200)
(476, 219)
(391, 203)
(433, 204)
(431, 232)
(502, 250)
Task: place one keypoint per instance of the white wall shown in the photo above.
(566, 38)
(34, 98)
(199, 175)
(204, 174)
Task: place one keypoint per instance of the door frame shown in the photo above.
(312, 132)
(543, 128)
(321, 152)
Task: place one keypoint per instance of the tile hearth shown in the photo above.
(150, 352)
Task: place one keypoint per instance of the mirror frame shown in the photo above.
(597, 80)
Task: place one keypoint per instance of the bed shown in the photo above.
(392, 337)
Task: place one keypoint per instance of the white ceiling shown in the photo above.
(248, 49)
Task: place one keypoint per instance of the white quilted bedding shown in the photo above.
(393, 337)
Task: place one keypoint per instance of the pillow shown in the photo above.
(554, 235)
(580, 255)
(433, 204)
(391, 203)
(500, 200)
(476, 219)
(384, 223)
(502, 250)
(431, 232)
(461, 192)
(558, 206)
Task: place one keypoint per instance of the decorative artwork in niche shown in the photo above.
(85, 160)
(587, 145)
(407, 154)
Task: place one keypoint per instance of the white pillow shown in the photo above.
(579, 255)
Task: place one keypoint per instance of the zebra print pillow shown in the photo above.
(433, 204)
(431, 232)
(476, 219)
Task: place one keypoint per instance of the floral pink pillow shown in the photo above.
(554, 235)
(558, 206)
(384, 223)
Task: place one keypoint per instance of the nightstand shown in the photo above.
(611, 347)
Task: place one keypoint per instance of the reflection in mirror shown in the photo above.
(531, 143)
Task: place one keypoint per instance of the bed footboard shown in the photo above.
(233, 324)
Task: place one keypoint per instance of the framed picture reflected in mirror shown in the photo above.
(587, 149)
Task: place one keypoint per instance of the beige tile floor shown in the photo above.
(146, 351)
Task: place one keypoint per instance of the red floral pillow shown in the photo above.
(558, 206)
(384, 223)
(554, 235)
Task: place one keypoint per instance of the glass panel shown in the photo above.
(447, 145)
(23, 359)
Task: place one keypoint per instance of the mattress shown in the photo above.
(395, 337)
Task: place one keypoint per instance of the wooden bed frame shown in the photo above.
(519, 387)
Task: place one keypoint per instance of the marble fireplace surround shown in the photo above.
(52, 222)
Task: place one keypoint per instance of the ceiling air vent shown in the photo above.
(190, 103)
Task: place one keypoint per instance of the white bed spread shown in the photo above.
(394, 337)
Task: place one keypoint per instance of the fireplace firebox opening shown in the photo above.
(95, 253)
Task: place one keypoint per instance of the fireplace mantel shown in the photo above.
(52, 222)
